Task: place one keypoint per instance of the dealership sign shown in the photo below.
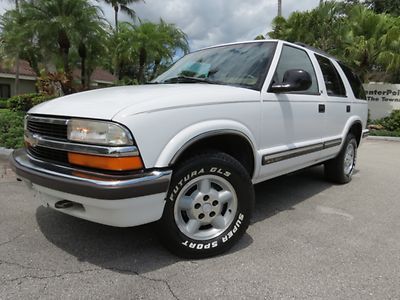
(382, 99)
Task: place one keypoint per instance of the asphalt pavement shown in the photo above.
(308, 239)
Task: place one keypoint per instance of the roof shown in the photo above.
(99, 75)
(24, 69)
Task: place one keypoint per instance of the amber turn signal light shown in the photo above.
(106, 163)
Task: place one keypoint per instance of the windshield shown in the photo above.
(243, 65)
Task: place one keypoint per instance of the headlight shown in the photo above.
(98, 132)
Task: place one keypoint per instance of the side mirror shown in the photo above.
(293, 81)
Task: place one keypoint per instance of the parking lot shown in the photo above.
(308, 239)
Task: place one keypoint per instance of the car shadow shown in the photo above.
(283, 193)
(137, 250)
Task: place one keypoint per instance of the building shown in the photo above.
(27, 79)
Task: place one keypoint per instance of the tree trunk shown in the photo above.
(116, 68)
(279, 8)
(64, 46)
(83, 54)
(155, 68)
(116, 18)
(17, 61)
(142, 63)
(16, 83)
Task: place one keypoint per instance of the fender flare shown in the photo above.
(350, 122)
(185, 138)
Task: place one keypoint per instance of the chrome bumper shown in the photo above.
(89, 184)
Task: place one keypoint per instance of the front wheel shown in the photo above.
(340, 169)
(208, 206)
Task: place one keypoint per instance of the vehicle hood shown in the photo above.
(129, 100)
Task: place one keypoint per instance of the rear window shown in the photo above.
(354, 81)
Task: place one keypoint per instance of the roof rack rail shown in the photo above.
(316, 50)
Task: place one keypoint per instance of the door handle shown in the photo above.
(321, 108)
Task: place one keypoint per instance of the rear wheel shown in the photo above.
(340, 169)
(208, 206)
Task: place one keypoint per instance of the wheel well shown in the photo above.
(233, 144)
(356, 129)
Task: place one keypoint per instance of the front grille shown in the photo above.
(57, 131)
(48, 154)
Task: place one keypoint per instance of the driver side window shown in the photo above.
(294, 58)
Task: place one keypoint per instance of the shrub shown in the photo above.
(11, 129)
(392, 122)
(3, 103)
(25, 102)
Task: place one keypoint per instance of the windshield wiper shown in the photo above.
(187, 79)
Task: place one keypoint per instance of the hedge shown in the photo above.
(23, 103)
(12, 120)
(11, 129)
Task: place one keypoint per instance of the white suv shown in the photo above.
(186, 149)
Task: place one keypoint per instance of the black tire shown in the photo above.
(335, 168)
(213, 166)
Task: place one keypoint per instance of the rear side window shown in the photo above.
(355, 82)
(333, 82)
(294, 58)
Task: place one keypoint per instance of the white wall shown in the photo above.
(382, 99)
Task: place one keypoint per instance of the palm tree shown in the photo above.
(372, 39)
(122, 5)
(146, 46)
(365, 40)
(16, 85)
(61, 22)
(279, 8)
(92, 47)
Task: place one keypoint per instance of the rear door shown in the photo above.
(338, 102)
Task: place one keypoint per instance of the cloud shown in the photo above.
(210, 22)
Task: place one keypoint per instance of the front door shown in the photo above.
(293, 124)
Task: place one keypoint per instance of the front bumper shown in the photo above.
(89, 184)
(122, 201)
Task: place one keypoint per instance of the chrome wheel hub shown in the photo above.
(205, 207)
(349, 159)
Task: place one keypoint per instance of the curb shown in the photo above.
(5, 151)
(384, 138)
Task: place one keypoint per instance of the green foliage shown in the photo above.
(390, 123)
(73, 34)
(23, 103)
(382, 6)
(63, 32)
(3, 103)
(367, 41)
(141, 50)
(11, 129)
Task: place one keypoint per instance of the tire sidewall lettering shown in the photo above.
(224, 238)
(196, 173)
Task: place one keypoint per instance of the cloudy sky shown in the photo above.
(209, 22)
